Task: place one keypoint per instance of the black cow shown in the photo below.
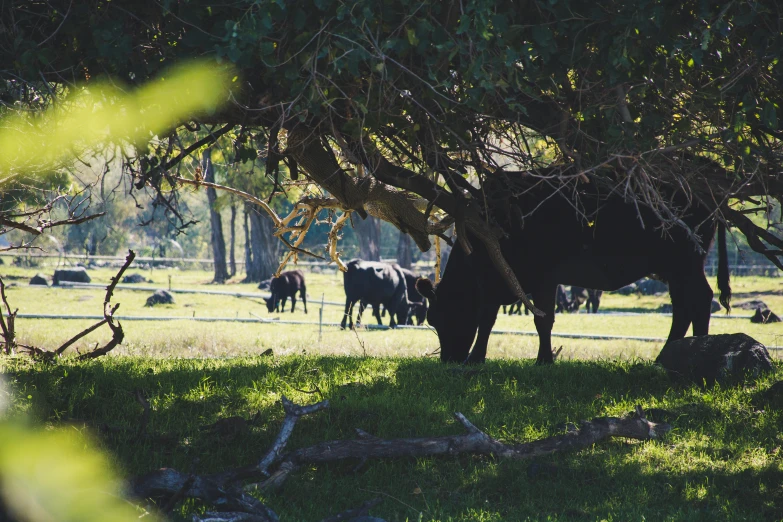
(417, 305)
(285, 286)
(374, 283)
(548, 243)
(589, 297)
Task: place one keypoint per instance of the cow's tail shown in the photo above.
(723, 269)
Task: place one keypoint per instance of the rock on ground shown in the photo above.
(134, 278)
(39, 279)
(626, 290)
(71, 275)
(666, 308)
(715, 358)
(160, 297)
(751, 304)
(651, 286)
(764, 316)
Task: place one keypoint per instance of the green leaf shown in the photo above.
(542, 36)
(412, 39)
(769, 116)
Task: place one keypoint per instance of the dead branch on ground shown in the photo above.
(223, 490)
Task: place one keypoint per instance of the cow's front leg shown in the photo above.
(544, 299)
(487, 317)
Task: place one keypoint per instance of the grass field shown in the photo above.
(194, 339)
(722, 461)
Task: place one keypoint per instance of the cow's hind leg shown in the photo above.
(544, 299)
(293, 303)
(347, 314)
(303, 295)
(362, 306)
(487, 317)
(681, 319)
(699, 297)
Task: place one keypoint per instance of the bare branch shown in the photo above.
(9, 333)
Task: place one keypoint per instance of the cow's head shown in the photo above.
(419, 311)
(454, 317)
(270, 303)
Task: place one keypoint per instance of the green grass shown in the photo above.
(193, 339)
(721, 461)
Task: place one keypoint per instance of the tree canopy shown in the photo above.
(398, 108)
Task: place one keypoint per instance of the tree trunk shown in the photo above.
(265, 248)
(232, 259)
(216, 223)
(368, 233)
(404, 253)
(246, 229)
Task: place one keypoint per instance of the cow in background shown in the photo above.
(591, 298)
(417, 304)
(285, 286)
(561, 303)
(374, 283)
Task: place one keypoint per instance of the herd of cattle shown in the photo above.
(388, 287)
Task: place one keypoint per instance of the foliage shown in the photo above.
(36, 145)
(58, 475)
(434, 98)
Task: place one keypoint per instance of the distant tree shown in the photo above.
(368, 234)
(232, 259)
(216, 222)
(404, 251)
(264, 247)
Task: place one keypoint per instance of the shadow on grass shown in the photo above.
(514, 401)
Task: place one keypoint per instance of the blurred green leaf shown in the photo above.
(102, 112)
(59, 476)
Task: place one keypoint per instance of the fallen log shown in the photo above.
(222, 490)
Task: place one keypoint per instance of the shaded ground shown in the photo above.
(721, 462)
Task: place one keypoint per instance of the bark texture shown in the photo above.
(404, 251)
(368, 234)
(264, 247)
(215, 221)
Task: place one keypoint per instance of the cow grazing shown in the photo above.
(374, 283)
(285, 286)
(417, 304)
(587, 296)
(548, 243)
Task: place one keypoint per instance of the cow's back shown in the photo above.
(288, 283)
(371, 281)
(598, 241)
